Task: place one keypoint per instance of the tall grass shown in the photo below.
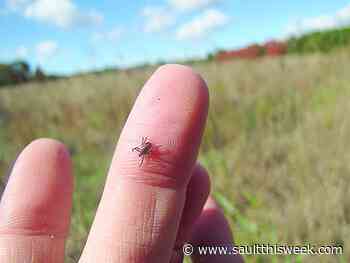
(276, 144)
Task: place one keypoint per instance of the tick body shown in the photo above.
(143, 149)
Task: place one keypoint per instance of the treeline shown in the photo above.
(20, 72)
(322, 41)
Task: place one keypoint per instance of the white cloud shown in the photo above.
(111, 36)
(22, 52)
(340, 18)
(157, 19)
(185, 5)
(344, 13)
(160, 18)
(46, 50)
(202, 25)
(61, 13)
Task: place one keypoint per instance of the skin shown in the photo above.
(146, 212)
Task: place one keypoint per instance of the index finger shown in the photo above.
(141, 207)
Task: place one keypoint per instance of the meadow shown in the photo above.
(276, 144)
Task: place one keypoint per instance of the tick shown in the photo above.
(143, 149)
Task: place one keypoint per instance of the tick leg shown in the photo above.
(137, 149)
(141, 160)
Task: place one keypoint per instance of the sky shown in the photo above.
(70, 36)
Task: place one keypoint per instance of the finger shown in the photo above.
(212, 229)
(141, 207)
(36, 205)
(197, 193)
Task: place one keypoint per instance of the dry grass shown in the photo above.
(276, 144)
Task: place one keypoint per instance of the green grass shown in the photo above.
(276, 144)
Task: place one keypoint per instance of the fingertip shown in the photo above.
(212, 229)
(212, 217)
(198, 87)
(47, 154)
(52, 148)
(37, 198)
(180, 69)
(200, 181)
(50, 145)
(184, 80)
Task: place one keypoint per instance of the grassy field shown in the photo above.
(277, 144)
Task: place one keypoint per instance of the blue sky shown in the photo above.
(68, 36)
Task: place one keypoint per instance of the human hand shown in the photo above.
(146, 212)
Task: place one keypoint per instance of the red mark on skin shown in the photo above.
(156, 153)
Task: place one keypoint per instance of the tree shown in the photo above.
(20, 71)
(14, 73)
(39, 74)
